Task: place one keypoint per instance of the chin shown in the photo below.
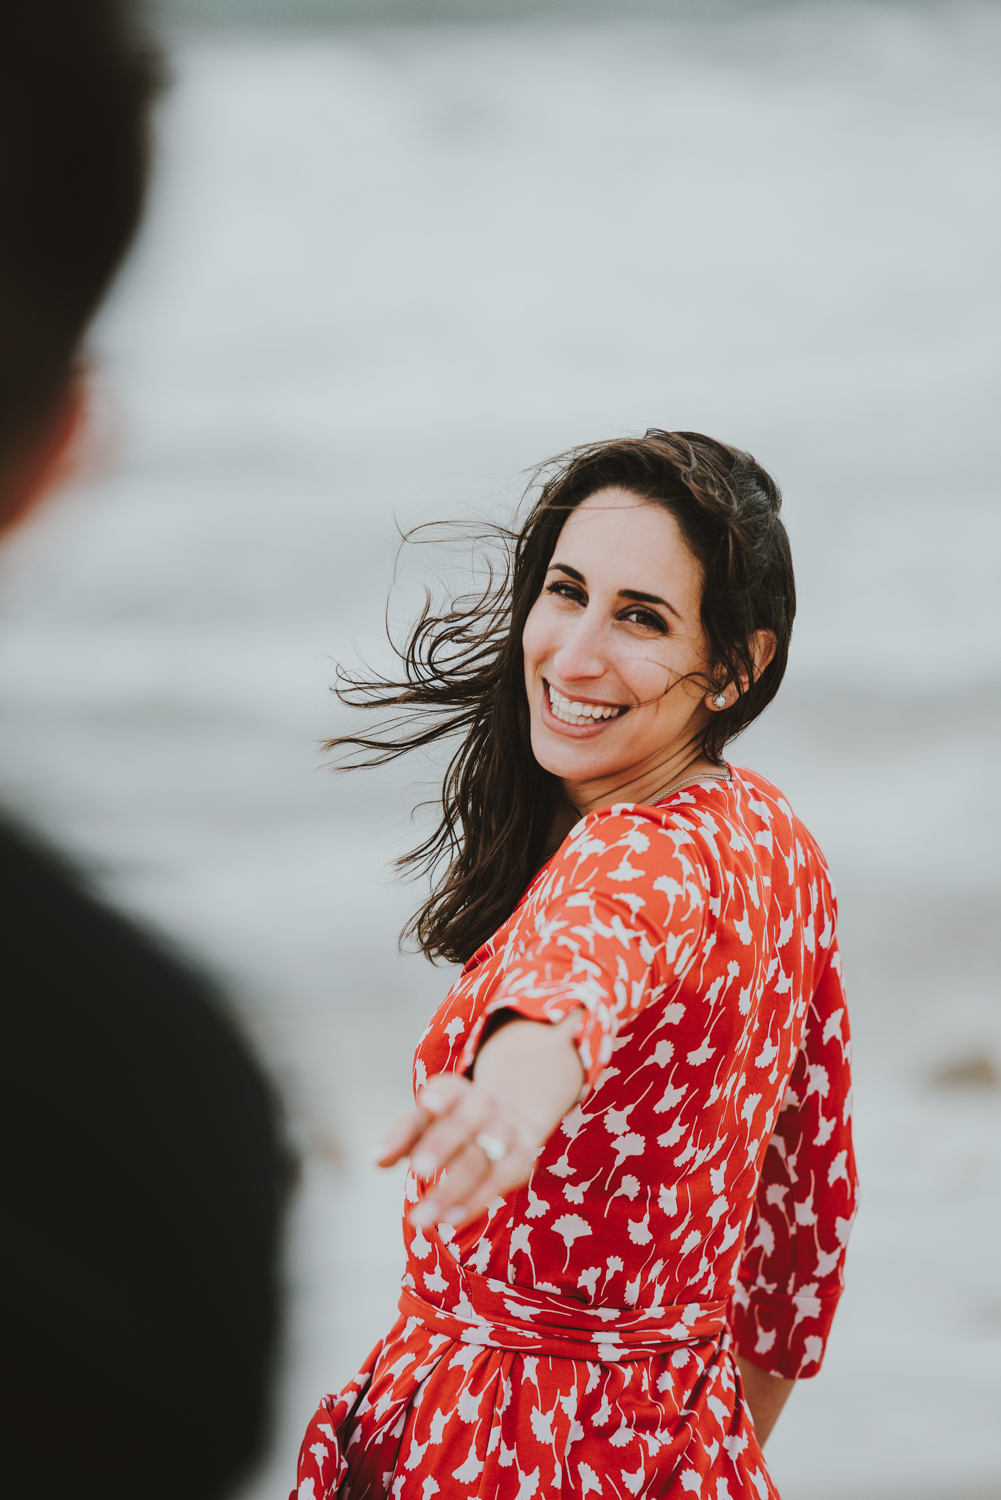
(566, 762)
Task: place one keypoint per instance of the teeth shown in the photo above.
(578, 713)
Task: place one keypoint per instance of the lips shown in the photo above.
(572, 711)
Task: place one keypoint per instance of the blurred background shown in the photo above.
(398, 252)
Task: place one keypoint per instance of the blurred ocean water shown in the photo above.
(386, 270)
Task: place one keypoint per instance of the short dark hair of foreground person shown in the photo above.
(76, 84)
(141, 1171)
(141, 1186)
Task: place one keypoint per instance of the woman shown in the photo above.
(631, 1176)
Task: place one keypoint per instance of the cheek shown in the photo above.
(647, 670)
(535, 638)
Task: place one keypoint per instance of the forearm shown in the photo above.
(765, 1395)
(534, 1069)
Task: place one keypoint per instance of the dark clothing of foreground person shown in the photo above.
(140, 1165)
(141, 1188)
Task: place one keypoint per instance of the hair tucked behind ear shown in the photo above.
(729, 516)
(463, 670)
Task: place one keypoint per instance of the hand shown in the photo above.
(765, 1394)
(441, 1134)
(526, 1077)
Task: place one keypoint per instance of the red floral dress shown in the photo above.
(579, 1336)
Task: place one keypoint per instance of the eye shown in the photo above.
(565, 589)
(648, 618)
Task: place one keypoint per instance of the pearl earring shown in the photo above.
(719, 701)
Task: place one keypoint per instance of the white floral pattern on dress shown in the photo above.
(580, 1335)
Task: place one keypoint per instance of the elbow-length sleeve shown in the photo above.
(790, 1276)
(610, 927)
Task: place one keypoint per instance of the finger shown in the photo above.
(513, 1172)
(452, 1132)
(401, 1136)
(465, 1172)
(441, 1205)
(442, 1091)
(406, 1130)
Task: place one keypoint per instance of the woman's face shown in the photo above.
(608, 645)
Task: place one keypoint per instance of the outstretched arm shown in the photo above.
(526, 1077)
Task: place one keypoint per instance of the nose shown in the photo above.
(582, 655)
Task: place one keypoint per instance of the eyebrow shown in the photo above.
(640, 598)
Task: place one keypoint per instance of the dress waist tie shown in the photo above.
(496, 1315)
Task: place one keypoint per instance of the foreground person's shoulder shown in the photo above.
(84, 985)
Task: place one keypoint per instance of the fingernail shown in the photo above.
(457, 1215)
(431, 1101)
(424, 1214)
(424, 1163)
(380, 1151)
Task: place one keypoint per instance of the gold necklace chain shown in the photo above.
(691, 780)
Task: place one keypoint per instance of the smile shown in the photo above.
(572, 711)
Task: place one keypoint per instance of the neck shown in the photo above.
(644, 785)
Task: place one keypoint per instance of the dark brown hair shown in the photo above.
(464, 672)
(76, 84)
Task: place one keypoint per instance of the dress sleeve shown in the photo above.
(790, 1276)
(613, 925)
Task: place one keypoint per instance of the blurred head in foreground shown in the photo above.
(76, 84)
(140, 1168)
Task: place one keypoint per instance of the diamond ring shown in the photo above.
(491, 1147)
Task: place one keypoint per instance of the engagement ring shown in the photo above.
(492, 1148)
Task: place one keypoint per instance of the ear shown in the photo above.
(762, 644)
(762, 648)
(46, 456)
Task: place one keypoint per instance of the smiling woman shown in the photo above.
(715, 514)
(616, 1270)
